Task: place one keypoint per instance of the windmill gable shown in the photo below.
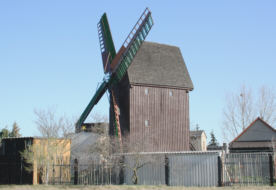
(159, 65)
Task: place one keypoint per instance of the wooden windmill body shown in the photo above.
(153, 98)
(149, 89)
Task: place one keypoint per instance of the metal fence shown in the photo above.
(193, 169)
(184, 169)
(152, 171)
(175, 169)
(61, 174)
(98, 174)
(247, 169)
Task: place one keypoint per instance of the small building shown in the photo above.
(259, 136)
(198, 140)
(13, 167)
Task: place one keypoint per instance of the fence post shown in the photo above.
(76, 172)
(271, 165)
(219, 171)
(21, 169)
(54, 175)
(121, 173)
(60, 174)
(167, 170)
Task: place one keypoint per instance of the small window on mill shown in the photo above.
(146, 123)
(170, 93)
(146, 91)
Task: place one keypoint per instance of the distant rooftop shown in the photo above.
(258, 130)
(196, 133)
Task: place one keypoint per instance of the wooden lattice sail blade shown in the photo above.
(116, 65)
(97, 96)
(106, 43)
(131, 45)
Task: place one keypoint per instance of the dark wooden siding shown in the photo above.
(124, 105)
(167, 116)
(121, 91)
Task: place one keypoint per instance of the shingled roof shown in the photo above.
(159, 65)
(258, 130)
(259, 136)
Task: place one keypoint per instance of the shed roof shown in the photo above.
(159, 65)
(258, 130)
(82, 142)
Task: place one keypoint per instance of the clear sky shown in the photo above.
(50, 56)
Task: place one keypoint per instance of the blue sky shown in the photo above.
(50, 56)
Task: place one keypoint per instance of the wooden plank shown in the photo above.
(167, 115)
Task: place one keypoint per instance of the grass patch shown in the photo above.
(126, 187)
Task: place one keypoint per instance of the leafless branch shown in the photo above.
(242, 108)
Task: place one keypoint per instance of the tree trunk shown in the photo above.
(47, 174)
(135, 177)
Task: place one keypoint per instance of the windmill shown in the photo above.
(116, 64)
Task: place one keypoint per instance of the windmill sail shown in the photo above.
(122, 60)
(97, 96)
(132, 44)
(106, 43)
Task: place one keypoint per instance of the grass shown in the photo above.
(126, 187)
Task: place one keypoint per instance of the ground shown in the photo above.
(126, 187)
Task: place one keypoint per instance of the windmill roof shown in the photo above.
(159, 65)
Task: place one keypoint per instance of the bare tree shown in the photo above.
(50, 148)
(130, 156)
(136, 155)
(266, 105)
(43, 154)
(103, 147)
(238, 112)
(242, 108)
(50, 125)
